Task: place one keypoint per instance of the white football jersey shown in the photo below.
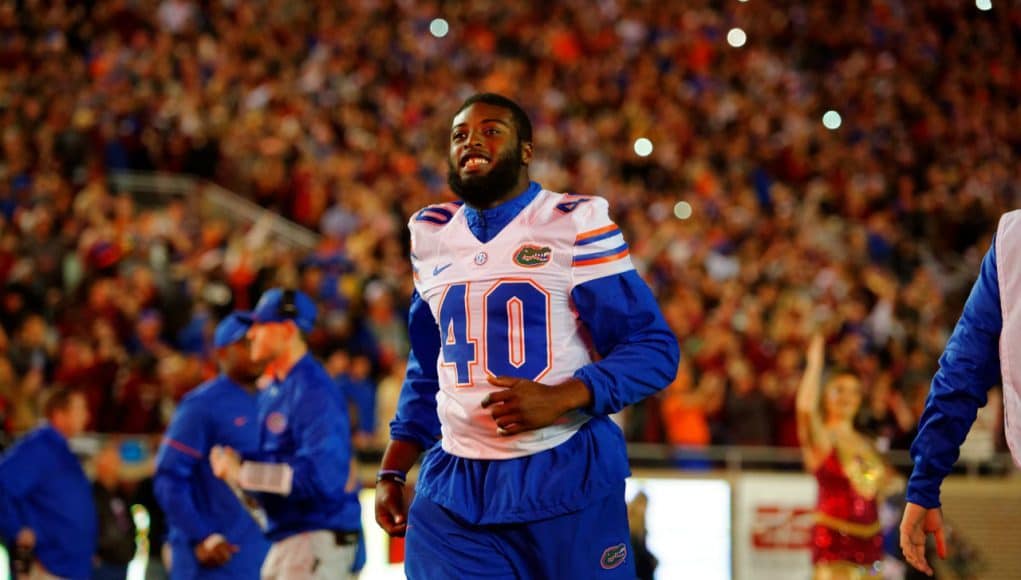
(504, 309)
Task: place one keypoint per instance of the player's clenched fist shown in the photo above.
(391, 509)
(524, 405)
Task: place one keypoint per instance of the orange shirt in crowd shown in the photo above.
(684, 417)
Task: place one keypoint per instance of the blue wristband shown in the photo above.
(395, 475)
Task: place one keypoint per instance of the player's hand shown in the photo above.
(391, 509)
(226, 463)
(916, 524)
(215, 551)
(525, 405)
(25, 539)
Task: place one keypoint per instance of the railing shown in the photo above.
(213, 200)
(737, 458)
(642, 455)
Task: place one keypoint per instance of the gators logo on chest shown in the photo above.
(532, 256)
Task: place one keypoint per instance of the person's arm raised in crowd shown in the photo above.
(815, 443)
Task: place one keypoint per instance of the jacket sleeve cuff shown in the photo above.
(923, 490)
(403, 432)
(601, 404)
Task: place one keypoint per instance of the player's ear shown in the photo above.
(526, 152)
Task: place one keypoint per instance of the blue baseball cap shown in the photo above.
(279, 305)
(231, 329)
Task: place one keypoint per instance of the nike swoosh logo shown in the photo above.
(438, 269)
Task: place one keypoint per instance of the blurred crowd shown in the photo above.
(335, 115)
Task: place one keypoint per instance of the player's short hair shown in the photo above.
(521, 122)
(58, 399)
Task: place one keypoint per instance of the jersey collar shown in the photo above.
(487, 223)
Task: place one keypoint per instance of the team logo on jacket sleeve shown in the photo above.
(532, 256)
(276, 422)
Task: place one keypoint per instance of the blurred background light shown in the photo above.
(736, 37)
(831, 120)
(439, 27)
(643, 147)
(682, 210)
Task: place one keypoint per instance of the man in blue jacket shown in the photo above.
(212, 534)
(529, 326)
(46, 505)
(301, 472)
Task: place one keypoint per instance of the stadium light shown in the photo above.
(831, 120)
(682, 210)
(439, 27)
(736, 37)
(643, 147)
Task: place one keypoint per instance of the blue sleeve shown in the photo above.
(322, 459)
(416, 419)
(639, 351)
(970, 365)
(19, 472)
(185, 446)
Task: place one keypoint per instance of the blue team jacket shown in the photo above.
(969, 367)
(43, 487)
(197, 504)
(639, 357)
(303, 422)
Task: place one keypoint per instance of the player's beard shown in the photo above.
(481, 190)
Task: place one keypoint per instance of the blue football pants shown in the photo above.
(593, 543)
